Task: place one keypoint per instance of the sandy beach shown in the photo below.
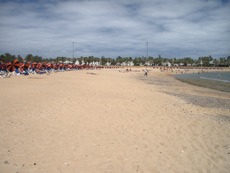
(94, 121)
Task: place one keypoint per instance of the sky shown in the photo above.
(111, 28)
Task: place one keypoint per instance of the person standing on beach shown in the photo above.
(146, 72)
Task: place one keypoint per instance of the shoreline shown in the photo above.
(201, 83)
(196, 95)
(205, 82)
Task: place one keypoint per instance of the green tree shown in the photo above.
(20, 59)
(7, 57)
(103, 60)
(223, 61)
(205, 61)
(29, 57)
(113, 62)
(228, 60)
(187, 61)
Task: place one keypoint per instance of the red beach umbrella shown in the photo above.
(27, 64)
(10, 67)
(44, 64)
(16, 64)
(3, 66)
(23, 65)
(34, 65)
(13, 65)
(39, 65)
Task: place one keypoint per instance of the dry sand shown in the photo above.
(106, 121)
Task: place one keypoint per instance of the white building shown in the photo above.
(147, 63)
(108, 64)
(67, 62)
(130, 63)
(77, 62)
(124, 64)
(94, 63)
(167, 64)
(97, 63)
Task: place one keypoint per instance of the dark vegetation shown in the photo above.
(207, 61)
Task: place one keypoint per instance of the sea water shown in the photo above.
(215, 80)
(215, 76)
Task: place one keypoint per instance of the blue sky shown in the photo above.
(111, 28)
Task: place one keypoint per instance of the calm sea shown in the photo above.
(213, 80)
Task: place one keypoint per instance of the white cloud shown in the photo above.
(173, 28)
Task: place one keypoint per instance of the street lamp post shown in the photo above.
(73, 49)
(147, 51)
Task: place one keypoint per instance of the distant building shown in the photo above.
(147, 63)
(118, 63)
(97, 63)
(201, 62)
(94, 63)
(130, 63)
(77, 62)
(167, 64)
(123, 64)
(67, 62)
(108, 64)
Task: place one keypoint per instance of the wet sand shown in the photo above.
(106, 121)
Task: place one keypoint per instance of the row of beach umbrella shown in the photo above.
(11, 66)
